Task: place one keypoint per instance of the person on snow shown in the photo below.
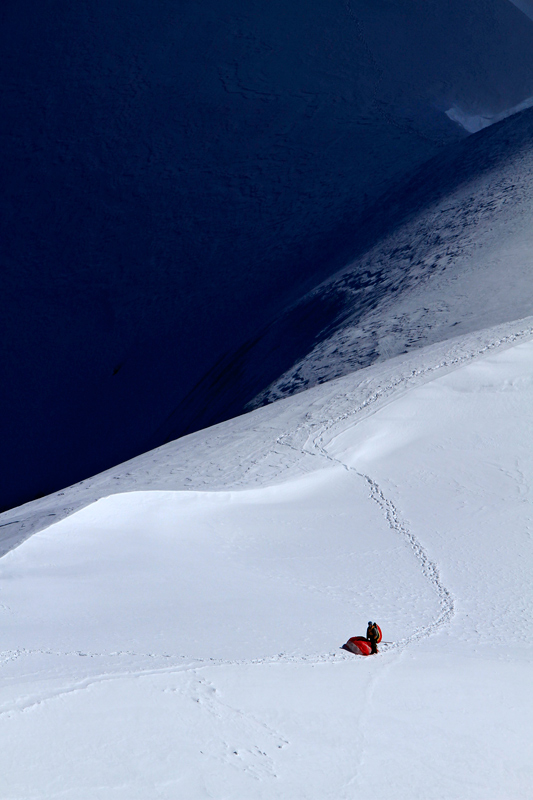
(372, 634)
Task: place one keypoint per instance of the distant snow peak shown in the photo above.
(476, 122)
(524, 5)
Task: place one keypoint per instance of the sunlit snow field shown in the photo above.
(186, 644)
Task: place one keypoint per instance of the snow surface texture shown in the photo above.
(186, 643)
(476, 122)
(430, 265)
(173, 175)
(460, 260)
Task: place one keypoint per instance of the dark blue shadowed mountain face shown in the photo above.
(175, 174)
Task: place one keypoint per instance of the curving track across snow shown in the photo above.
(315, 435)
(284, 724)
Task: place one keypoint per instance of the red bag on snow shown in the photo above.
(358, 645)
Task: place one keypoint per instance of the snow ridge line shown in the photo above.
(395, 383)
(429, 568)
(403, 380)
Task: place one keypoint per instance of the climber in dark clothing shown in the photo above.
(372, 634)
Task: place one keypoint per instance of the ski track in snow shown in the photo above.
(429, 568)
(193, 666)
(314, 436)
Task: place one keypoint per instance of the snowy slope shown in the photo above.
(174, 175)
(458, 258)
(186, 643)
(446, 252)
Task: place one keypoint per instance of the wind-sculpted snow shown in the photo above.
(188, 642)
(213, 458)
(174, 178)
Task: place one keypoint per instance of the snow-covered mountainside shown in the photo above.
(174, 176)
(458, 258)
(447, 251)
(172, 627)
(169, 644)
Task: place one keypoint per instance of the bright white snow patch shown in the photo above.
(175, 644)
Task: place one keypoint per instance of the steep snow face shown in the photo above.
(432, 254)
(186, 644)
(459, 257)
(173, 177)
